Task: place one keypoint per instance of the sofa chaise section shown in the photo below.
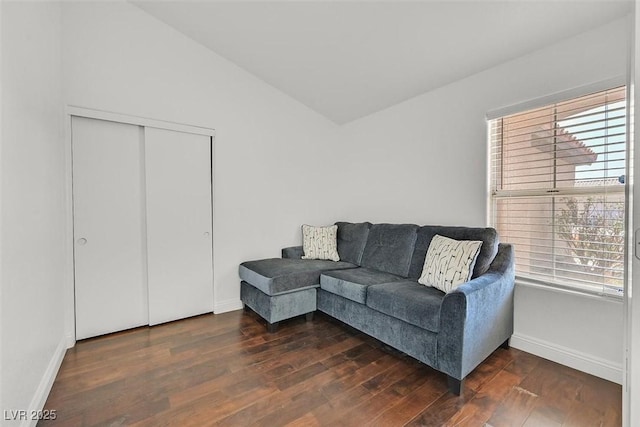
(282, 288)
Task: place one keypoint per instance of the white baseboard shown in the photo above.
(569, 357)
(71, 340)
(227, 305)
(42, 392)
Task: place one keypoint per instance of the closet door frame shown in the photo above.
(76, 111)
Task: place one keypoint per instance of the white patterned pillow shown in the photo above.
(449, 263)
(320, 242)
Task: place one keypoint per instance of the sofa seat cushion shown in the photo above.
(409, 301)
(353, 283)
(275, 276)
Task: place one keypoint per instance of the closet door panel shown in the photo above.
(110, 285)
(179, 225)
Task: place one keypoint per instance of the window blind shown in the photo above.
(558, 190)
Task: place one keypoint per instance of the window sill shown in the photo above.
(521, 282)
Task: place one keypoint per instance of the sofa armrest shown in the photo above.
(477, 317)
(293, 252)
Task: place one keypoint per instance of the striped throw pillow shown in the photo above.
(320, 242)
(449, 263)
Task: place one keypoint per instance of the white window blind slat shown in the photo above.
(558, 190)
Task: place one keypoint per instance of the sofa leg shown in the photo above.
(455, 385)
(505, 344)
(309, 316)
(272, 327)
(245, 308)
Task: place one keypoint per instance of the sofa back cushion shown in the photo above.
(352, 238)
(488, 250)
(389, 248)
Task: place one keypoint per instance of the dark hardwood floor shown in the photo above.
(227, 370)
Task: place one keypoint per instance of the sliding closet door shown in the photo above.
(110, 286)
(179, 226)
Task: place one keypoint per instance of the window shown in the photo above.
(557, 191)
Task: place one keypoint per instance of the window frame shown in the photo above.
(494, 196)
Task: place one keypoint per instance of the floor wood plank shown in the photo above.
(227, 370)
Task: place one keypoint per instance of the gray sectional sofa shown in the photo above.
(374, 289)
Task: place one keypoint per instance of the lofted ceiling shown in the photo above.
(348, 59)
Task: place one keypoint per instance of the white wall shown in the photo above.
(33, 214)
(118, 58)
(424, 161)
